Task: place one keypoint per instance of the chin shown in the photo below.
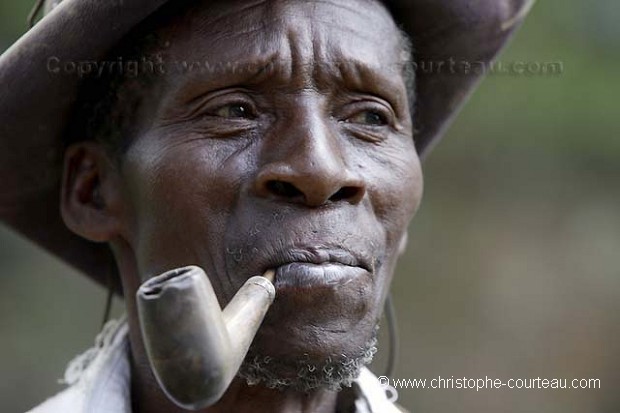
(316, 338)
(307, 366)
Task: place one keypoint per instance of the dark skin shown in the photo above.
(233, 171)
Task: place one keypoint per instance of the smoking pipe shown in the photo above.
(194, 348)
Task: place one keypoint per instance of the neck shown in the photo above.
(239, 398)
(147, 396)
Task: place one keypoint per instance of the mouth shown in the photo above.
(312, 267)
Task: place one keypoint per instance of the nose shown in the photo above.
(307, 166)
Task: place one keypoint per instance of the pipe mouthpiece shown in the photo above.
(270, 275)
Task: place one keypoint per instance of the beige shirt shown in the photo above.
(99, 381)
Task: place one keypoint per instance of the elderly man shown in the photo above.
(239, 136)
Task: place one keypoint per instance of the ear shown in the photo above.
(402, 246)
(90, 201)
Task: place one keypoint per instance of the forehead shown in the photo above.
(301, 33)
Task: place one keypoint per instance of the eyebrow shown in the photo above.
(357, 76)
(375, 80)
(221, 74)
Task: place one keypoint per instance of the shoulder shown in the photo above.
(67, 400)
(372, 393)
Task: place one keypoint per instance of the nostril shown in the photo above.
(283, 189)
(345, 193)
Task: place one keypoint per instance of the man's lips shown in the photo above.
(307, 275)
(315, 267)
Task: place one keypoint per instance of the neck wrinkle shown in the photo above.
(147, 396)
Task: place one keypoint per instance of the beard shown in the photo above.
(305, 375)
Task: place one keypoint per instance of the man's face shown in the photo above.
(289, 148)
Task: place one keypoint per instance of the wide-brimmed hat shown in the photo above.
(453, 40)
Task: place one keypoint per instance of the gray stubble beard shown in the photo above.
(333, 373)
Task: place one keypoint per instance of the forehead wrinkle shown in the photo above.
(222, 10)
(334, 19)
(309, 55)
(226, 20)
(214, 20)
(353, 7)
(302, 57)
(300, 54)
(381, 74)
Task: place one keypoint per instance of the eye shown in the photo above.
(370, 118)
(235, 111)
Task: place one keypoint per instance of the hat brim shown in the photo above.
(35, 104)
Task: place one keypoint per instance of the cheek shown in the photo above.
(395, 188)
(182, 195)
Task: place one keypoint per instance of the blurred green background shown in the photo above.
(512, 268)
